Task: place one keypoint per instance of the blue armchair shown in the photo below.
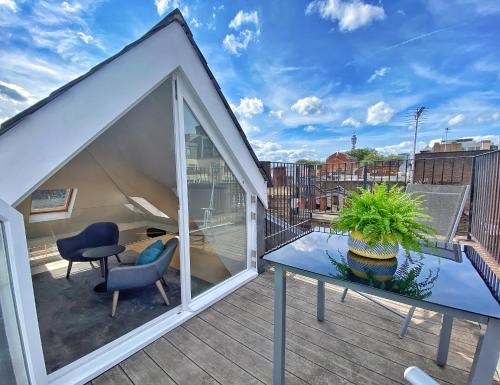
(94, 235)
(136, 276)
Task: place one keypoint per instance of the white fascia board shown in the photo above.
(43, 142)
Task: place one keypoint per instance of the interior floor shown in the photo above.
(75, 320)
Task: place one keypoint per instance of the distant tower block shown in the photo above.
(354, 140)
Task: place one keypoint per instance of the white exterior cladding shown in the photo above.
(44, 141)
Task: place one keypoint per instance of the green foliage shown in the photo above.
(385, 215)
(362, 153)
(370, 155)
(309, 161)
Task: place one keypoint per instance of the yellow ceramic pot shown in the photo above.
(359, 245)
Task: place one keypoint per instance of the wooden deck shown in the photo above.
(358, 343)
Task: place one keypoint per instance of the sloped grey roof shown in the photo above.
(174, 16)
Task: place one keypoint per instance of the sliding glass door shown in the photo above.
(217, 210)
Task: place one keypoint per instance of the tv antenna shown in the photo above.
(416, 118)
(446, 130)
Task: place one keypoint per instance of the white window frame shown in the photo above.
(185, 92)
(22, 287)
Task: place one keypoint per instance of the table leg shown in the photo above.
(444, 340)
(279, 325)
(321, 301)
(105, 269)
(487, 354)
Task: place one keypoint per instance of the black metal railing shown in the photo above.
(296, 192)
(288, 216)
(484, 221)
(454, 170)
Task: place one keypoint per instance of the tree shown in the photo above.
(309, 161)
(363, 153)
(370, 155)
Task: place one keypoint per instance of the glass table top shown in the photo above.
(442, 275)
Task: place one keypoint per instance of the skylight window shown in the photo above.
(51, 201)
(149, 207)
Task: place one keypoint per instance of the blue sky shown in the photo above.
(302, 76)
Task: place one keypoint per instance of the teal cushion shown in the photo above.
(150, 253)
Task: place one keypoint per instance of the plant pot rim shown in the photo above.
(356, 234)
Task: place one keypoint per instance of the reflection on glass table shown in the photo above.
(441, 279)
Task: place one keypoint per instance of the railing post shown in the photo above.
(365, 176)
(471, 198)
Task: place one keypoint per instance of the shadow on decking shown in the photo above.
(231, 343)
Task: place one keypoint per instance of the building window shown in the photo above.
(51, 201)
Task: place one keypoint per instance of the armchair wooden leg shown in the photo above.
(69, 269)
(116, 294)
(162, 292)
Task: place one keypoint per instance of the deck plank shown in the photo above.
(357, 344)
(355, 330)
(178, 366)
(237, 352)
(141, 369)
(114, 376)
(380, 358)
(424, 321)
(299, 365)
(211, 361)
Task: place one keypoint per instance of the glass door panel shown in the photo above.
(217, 211)
(12, 366)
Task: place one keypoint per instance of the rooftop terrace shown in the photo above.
(358, 343)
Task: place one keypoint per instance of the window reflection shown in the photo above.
(217, 211)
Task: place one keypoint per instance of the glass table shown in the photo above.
(441, 279)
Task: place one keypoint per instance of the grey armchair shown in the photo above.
(136, 276)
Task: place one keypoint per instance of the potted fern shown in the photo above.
(379, 221)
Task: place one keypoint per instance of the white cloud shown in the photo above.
(195, 23)
(76, 7)
(310, 128)
(308, 106)
(15, 93)
(488, 118)
(276, 114)
(381, 72)
(401, 148)
(495, 139)
(244, 18)
(87, 39)
(249, 107)
(430, 74)
(351, 122)
(162, 6)
(10, 4)
(456, 120)
(272, 151)
(401, 12)
(379, 113)
(237, 43)
(350, 15)
(248, 127)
